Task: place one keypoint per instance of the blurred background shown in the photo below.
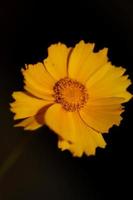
(31, 165)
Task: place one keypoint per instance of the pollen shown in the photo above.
(71, 94)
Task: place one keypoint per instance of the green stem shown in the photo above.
(12, 158)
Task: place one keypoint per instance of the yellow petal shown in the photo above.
(83, 62)
(38, 81)
(26, 105)
(29, 124)
(75, 135)
(87, 140)
(102, 114)
(60, 121)
(109, 81)
(56, 62)
(87, 144)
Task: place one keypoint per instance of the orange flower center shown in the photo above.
(70, 93)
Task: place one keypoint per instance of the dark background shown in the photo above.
(31, 165)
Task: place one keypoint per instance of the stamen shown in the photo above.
(70, 93)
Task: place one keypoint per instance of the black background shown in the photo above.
(42, 171)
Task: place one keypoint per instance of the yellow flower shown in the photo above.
(77, 93)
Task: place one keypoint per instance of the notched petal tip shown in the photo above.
(76, 150)
(26, 67)
(82, 42)
(56, 46)
(128, 97)
(104, 52)
(14, 94)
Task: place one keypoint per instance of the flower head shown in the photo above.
(77, 93)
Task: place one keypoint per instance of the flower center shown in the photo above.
(70, 93)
